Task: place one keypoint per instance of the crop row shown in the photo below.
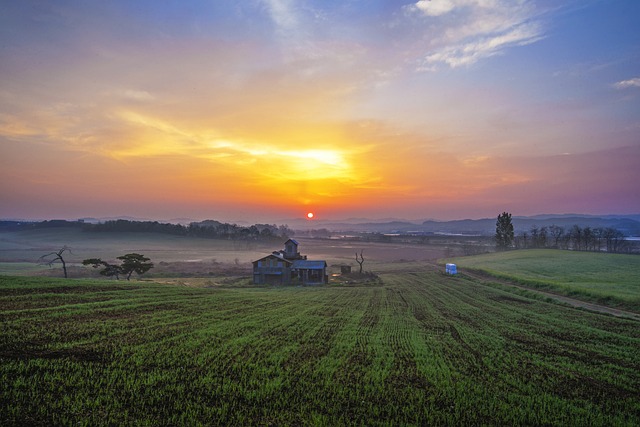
(422, 348)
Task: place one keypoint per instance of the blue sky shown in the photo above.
(215, 109)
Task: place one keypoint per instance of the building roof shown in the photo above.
(295, 242)
(275, 255)
(304, 264)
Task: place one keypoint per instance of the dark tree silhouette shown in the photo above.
(134, 263)
(504, 231)
(131, 263)
(53, 257)
(109, 270)
(360, 260)
(557, 233)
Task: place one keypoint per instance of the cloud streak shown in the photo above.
(472, 30)
(280, 103)
(626, 84)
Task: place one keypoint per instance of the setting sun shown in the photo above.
(282, 108)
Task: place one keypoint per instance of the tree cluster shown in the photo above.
(207, 229)
(130, 263)
(574, 238)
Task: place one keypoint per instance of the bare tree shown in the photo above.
(535, 236)
(360, 260)
(542, 237)
(614, 240)
(51, 258)
(522, 242)
(577, 236)
(587, 238)
(557, 233)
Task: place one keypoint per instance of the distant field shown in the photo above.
(28, 246)
(20, 250)
(420, 349)
(609, 279)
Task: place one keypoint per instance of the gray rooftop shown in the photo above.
(308, 265)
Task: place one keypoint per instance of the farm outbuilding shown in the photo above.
(310, 272)
(273, 269)
(451, 269)
(284, 266)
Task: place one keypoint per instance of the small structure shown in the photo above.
(451, 269)
(310, 272)
(273, 269)
(286, 266)
(345, 269)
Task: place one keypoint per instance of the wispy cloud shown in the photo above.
(625, 84)
(137, 95)
(472, 51)
(471, 30)
(435, 8)
(282, 14)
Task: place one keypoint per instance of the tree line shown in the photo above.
(129, 263)
(206, 229)
(596, 239)
(575, 238)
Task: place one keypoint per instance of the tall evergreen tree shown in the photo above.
(504, 231)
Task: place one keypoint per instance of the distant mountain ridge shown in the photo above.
(627, 224)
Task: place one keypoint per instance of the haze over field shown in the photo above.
(265, 109)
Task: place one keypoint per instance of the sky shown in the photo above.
(260, 110)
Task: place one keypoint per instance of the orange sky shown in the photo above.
(269, 109)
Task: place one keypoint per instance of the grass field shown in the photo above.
(420, 349)
(608, 279)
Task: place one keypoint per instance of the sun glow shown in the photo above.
(310, 215)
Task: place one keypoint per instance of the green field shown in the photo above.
(609, 279)
(420, 349)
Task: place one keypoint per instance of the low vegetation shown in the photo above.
(608, 279)
(419, 348)
(210, 229)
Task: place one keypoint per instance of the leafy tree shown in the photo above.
(109, 270)
(134, 263)
(504, 231)
(131, 263)
(53, 257)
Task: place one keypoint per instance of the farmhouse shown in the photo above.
(287, 266)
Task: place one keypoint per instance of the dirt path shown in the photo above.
(485, 277)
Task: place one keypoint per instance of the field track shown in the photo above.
(482, 277)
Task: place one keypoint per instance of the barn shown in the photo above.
(287, 266)
(273, 269)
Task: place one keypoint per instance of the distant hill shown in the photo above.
(629, 225)
(487, 226)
